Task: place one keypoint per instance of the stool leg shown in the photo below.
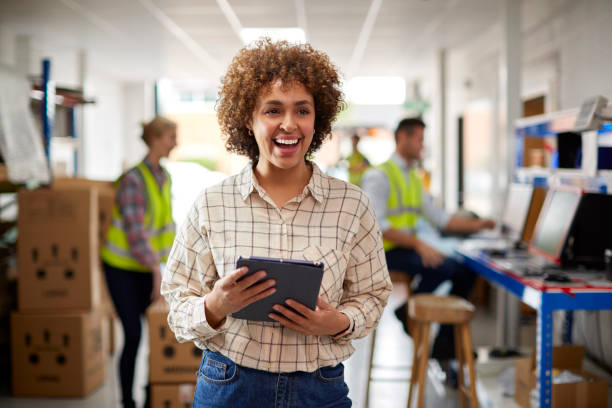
(469, 358)
(424, 340)
(415, 358)
(460, 361)
(373, 345)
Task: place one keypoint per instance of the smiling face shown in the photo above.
(283, 124)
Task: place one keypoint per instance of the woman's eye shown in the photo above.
(304, 111)
(271, 111)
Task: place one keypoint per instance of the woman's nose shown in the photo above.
(288, 124)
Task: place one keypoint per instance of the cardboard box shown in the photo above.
(585, 394)
(169, 361)
(106, 199)
(172, 395)
(106, 202)
(57, 355)
(535, 150)
(58, 250)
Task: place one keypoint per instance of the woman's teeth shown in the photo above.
(289, 142)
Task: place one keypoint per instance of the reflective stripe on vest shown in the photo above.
(404, 203)
(157, 221)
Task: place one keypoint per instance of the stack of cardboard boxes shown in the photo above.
(58, 334)
(172, 366)
(106, 201)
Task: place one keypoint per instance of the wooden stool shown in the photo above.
(400, 278)
(425, 309)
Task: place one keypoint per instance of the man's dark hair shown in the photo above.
(408, 125)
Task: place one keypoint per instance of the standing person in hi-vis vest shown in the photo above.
(399, 200)
(358, 163)
(138, 241)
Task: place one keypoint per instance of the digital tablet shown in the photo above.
(295, 279)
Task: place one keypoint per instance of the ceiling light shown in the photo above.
(290, 34)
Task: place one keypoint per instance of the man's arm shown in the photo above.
(376, 186)
(430, 256)
(468, 225)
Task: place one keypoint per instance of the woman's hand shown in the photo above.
(325, 320)
(229, 295)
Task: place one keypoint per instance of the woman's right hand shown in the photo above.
(229, 295)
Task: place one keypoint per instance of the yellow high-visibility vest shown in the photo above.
(405, 199)
(356, 158)
(158, 222)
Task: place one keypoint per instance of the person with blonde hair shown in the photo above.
(276, 106)
(138, 240)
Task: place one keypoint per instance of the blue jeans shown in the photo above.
(223, 383)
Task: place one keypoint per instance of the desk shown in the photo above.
(545, 299)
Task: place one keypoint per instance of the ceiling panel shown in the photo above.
(127, 39)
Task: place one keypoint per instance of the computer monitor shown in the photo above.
(516, 208)
(535, 206)
(590, 234)
(554, 222)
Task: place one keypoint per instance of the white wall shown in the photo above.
(103, 138)
(138, 107)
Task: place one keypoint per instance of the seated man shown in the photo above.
(399, 199)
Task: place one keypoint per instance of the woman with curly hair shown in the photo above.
(276, 106)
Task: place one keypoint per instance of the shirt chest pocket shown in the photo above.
(334, 270)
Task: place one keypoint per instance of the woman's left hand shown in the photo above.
(325, 320)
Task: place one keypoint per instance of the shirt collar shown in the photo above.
(402, 163)
(318, 185)
(153, 169)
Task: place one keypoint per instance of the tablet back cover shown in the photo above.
(297, 281)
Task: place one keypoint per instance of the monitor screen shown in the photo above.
(591, 232)
(554, 222)
(517, 205)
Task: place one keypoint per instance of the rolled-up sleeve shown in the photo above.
(376, 186)
(189, 276)
(434, 214)
(367, 284)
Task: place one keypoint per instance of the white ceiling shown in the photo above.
(146, 39)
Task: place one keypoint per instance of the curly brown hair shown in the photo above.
(255, 68)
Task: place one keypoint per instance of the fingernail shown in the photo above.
(289, 302)
(271, 316)
(275, 307)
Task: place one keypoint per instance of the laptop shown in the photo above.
(516, 208)
(550, 232)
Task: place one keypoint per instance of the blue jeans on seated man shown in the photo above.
(462, 280)
(222, 383)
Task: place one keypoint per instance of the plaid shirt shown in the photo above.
(132, 201)
(331, 221)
